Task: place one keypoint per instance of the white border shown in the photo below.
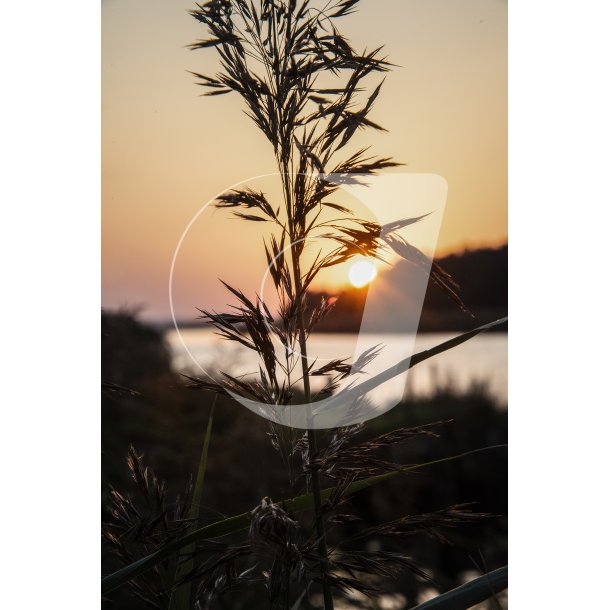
(559, 137)
(559, 425)
(50, 305)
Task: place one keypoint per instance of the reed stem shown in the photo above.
(312, 439)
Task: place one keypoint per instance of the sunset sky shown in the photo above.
(167, 151)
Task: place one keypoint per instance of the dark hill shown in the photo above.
(483, 278)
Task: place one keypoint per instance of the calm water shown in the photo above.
(483, 359)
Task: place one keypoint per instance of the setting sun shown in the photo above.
(361, 273)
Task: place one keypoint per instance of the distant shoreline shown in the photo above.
(424, 328)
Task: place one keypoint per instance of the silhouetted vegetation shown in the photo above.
(166, 422)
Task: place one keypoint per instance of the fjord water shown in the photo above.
(482, 360)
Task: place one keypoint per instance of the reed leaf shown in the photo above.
(471, 593)
(181, 599)
(408, 363)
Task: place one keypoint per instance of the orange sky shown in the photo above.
(167, 151)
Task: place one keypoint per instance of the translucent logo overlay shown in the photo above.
(408, 208)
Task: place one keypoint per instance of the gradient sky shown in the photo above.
(167, 151)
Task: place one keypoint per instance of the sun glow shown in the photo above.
(362, 273)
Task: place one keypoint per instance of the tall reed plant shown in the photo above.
(310, 93)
